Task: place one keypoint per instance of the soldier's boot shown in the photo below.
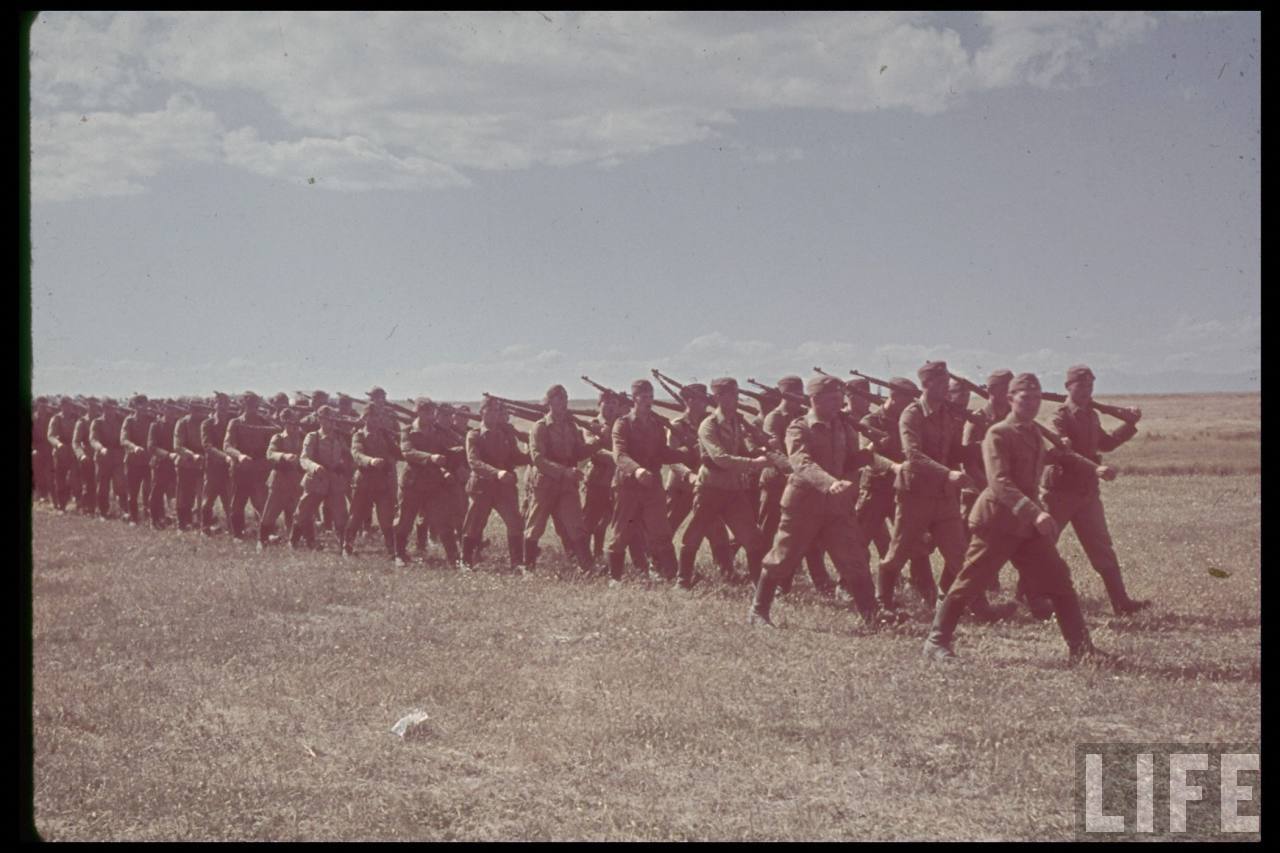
(1121, 603)
(421, 540)
(515, 550)
(886, 583)
(469, 545)
(859, 589)
(1040, 606)
(762, 601)
(922, 581)
(531, 551)
(449, 541)
(1080, 649)
(941, 634)
(617, 563)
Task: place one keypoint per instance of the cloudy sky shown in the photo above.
(447, 203)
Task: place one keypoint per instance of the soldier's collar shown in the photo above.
(927, 408)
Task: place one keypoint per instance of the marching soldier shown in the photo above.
(722, 492)
(87, 496)
(424, 487)
(162, 458)
(683, 475)
(375, 447)
(597, 488)
(284, 484)
(189, 447)
(328, 464)
(1009, 524)
(1073, 496)
(493, 454)
(640, 449)
(555, 449)
(217, 464)
(60, 434)
(108, 458)
(41, 451)
(245, 445)
(817, 505)
(137, 470)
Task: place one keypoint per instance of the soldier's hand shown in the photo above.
(575, 474)
(761, 463)
(1135, 415)
(692, 478)
(1046, 526)
(644, 476)
(380, 463)
(839, 487)
(961, 479)
(505, 476)
(1106, 472)
(175, 458)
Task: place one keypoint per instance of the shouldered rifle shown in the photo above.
(875, 399)
(968, 414)
(657, 404)
(532, 411)
(786, 395)
(973, 388)
(1119, 412)
(664, 379)
(675, 395)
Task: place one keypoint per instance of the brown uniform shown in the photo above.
(424, 487)
(1003, 524)
(641, 441)
(284, 485)
(926, 500)
(60, 433)
(246, 445)
(490, 452)
(41, 453)
(164, 475)
(87, 496)
(555, 449)
(375, 482)
(217, 469)
(1073, 496)
(189, 446)
(723, 492)
(108, 460)
(137, 469)
(821, 453)
(684, 439)
(328, 466)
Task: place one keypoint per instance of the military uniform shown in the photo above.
(284, 484)
(375, 447)
(424, 486)
(328, 465)
(490, 453)
(640, 442)
(1074, 497)
(137, 468)
(245, 445)
(189, 446)
(555, 449)
(41, 451)
(163, 470)
(108, 459)
(60, 434)
(87, 496)
(821, 453)
(1003, 524)
(684, 439)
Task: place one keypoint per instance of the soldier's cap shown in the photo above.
(820, 384)
(376, 393)
(723, 383)
(1078, 372)
(903, 384)
(250, 395)
(857, 383)
(137, 400)
(463, 408)
(490, 404)
(109, 403)
(424, 404)
(553, 391)
(694, 391)
(999, 377)
(219, 397)
(641, 386)
(319, 395)
(1024, 382)
(280, 399)
(67, 401)
(326, 412)
(930, 370)
(288, 416)
(201, 404)
(794, 384)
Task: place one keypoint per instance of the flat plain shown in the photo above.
(188, 688)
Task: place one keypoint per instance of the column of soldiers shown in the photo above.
(818, 475)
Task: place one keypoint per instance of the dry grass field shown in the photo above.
(187, 688)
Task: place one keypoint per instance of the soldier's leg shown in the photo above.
(875, 509)
(162, 479)
(61, 485)
(721, 552)
(135, 477)
(279, 497)
(87, 499)
(508, 506)
(987, 553)
(336, 501)
(241, 485)
(626, 508)
(440, 510)
(1090, 523)
(103, 474)
(473, 525)
(411, 506)
(796, 532)
(816, 564)
(770, 510)
(385, 505)
(657, 531)
(569, 512)
(909, 524)
(1046, 575)
(679, 502)
(704, 513)
(739, 517)
(537, 512)
(842, 539)
(595, 514)
(188, 483)
(361, 507)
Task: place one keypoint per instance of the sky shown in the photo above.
(449, 203)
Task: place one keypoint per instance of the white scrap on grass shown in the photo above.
(409, 722)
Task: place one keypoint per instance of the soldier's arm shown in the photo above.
(231, 442)
(155, 449)
(713, 449)
(51, 432)
(80, 439)
(207, 439)
(1109, 441)
(803, 467)
(358, 454)
(128, 445)
(879, 439)
(911, 427)
(410, 454)
(310, 446)
(627, 466)
(95, 435)
(276, 453)
(997, 456)
(479, 467)
(538, 453)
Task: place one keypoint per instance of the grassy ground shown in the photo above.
(188, 688)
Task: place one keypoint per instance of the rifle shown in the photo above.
(969, 415)
(657, 404)
(874, 399)
(675, 395)
(532, 411)
(1122, 413)
(786, 395)
(664, 379)
(980, 390)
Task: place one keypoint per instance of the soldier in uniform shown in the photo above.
(640, 449)
(1009, 524)
(328, 465)
(190, 449)
(137, 468)
(447, 525)
(424, 488)
(375, 447)
(41, 451)
(163, 460)
(722, 492)
(597, 488)
(217, 464)
(556, 446)
(493, 454)
(683, 475)
(60, 434)
(87, 496)
(1073, 496)
(817, 505)
(284, 484)
(927, 486)
(108, 458)
(245, 445)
